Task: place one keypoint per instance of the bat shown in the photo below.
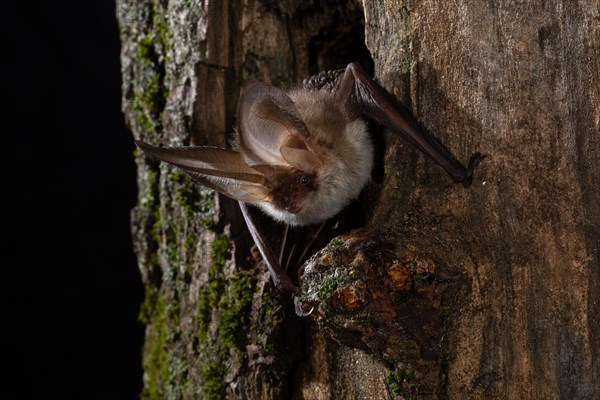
(303, 154)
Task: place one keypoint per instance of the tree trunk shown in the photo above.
(487, 291)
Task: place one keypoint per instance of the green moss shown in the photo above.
(330, 282)
(157, 226)
(401, 382)
(214, 385)
(149, 305)
(235, 317)
(140, 113)
(228, 302)
(173, 254)
(218, 254)
(269, 307)
(152, 179)
(196, 201)
(209, 298)
(156, 364)
(150, 101)
(336, 244)
(154, 95)
(233, 309)
(203, 318)
(160, 25)
(145, 50)
(163, 369)
(150, 95)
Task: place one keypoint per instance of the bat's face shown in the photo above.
(293, 191)
(292, 197)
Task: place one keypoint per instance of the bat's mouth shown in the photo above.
(292, 200)
(294, 205)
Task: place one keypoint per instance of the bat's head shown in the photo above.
(318, 192)
(312, 141)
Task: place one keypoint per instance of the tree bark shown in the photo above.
(487, 291)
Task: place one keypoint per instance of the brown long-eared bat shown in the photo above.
(302, 155)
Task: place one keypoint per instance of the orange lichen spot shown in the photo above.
(399, 277)
(348, 298)
(326, 260)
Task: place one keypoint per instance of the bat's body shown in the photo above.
(304, 154)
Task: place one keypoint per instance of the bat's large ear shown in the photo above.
(271, 131)
(219, 169)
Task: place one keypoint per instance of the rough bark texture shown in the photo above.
(490, 291)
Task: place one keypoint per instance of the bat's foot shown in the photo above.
(302, 309)
(326, 80)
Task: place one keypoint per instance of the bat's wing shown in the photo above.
(219, 169)
(378, 104)
(271, 131)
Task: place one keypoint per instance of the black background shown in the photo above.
(70, 286)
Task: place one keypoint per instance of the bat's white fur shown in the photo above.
(345, 148)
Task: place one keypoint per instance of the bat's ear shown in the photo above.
(222, 170)
(345, 90)
(296, 154)
(270, 129)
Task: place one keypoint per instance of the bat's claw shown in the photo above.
(302, 309)
(473, 163)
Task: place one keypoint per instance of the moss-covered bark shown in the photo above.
(215, 326)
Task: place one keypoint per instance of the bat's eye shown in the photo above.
(305, 180)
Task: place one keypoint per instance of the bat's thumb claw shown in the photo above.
(473, 163)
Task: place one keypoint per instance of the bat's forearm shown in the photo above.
(379, 105)
(280, 279)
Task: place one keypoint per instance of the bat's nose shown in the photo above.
(293, 205)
